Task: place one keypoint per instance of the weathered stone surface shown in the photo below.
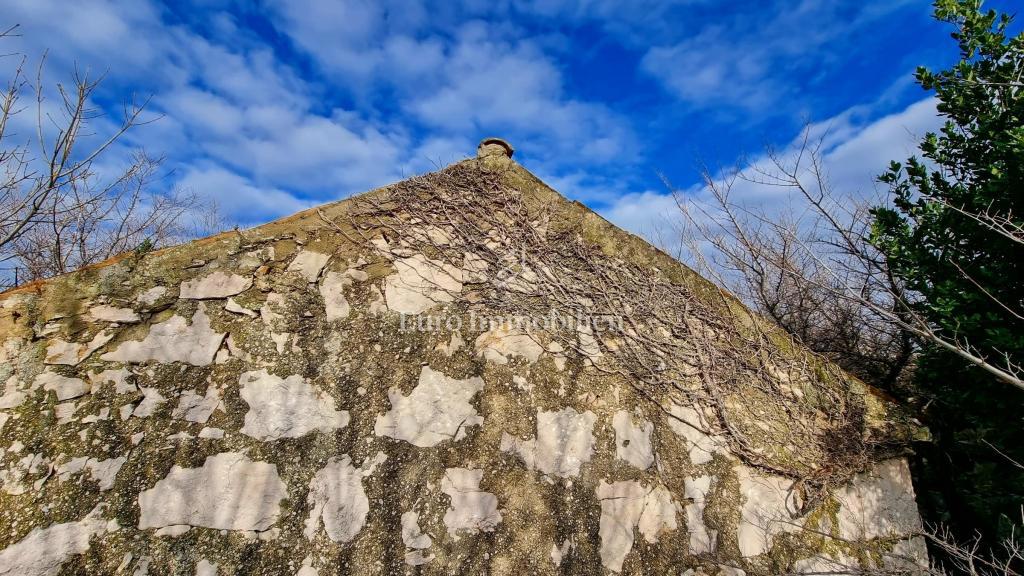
(286, 407)
(13, 396)
(633, 442)
(206, 568)
(687, 422)
(769, 506)
(504, 342)
(333, 291)
(151, 296)
(103, 472)
(420, 283)
(412, 536)
(879, 503)
(471, 510)
(309, 264)
(215, 285)
(229, 492)
(564, 442)
(107, 313)
(175, 340)
(437, 409)
(119, 378)
(72, 353)
(299, 425)
(625, 506)
(44, 551)
(65, 388)
(196, 408)
(338, 498)
(702, 539)
(151, 400)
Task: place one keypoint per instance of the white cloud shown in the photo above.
(237, 198)
(748, 59)
(642, 213)
(855, 152)
(460, 79)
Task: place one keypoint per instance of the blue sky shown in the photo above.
(273, 106)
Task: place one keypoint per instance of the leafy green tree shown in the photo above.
(954, 235)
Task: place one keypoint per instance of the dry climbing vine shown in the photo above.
(779, 408)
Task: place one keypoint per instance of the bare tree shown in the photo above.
(812, 267)
(806, 265)
(58, 211)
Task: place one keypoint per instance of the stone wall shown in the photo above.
(256, 403)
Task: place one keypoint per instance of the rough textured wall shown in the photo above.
(318, 396)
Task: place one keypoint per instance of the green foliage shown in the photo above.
(144, 247)
(938, 237)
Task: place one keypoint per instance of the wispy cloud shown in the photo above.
(280, 105)
(753, 56)
(856, 148)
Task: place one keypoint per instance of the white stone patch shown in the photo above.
(589, 345)
(332, 289)
(453, 345)
(151, 400)
(65, 388)
(377, 303)
(420, 283)
(172, 531)
(474, 268)
(471, 510)
(417, 557)
(211, 433)
(107, 313)
(820, 564)
(236, 308)
(65, 412)
(702, 539)
(358, 275)
(503, 342)
(151, 296)
(565, 441)
(196, 408)
(44, 550)
(414, 538)
(72, 353)
(560, 552)
(879, 503)
(557, 352)
(286, 407)
(768, 506)
(229, 492)
(437, 409)
(93, 418)
(206, 568)
(337, 496)
(12, 396)
(216, 285)
(119, 378)
(103, 472)
(307, 568)
(12, 475)
(633, 442)
(174, 340)
(907, 556)
(627, 505)
(309, 264)
(689, 423)
(268, 313)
